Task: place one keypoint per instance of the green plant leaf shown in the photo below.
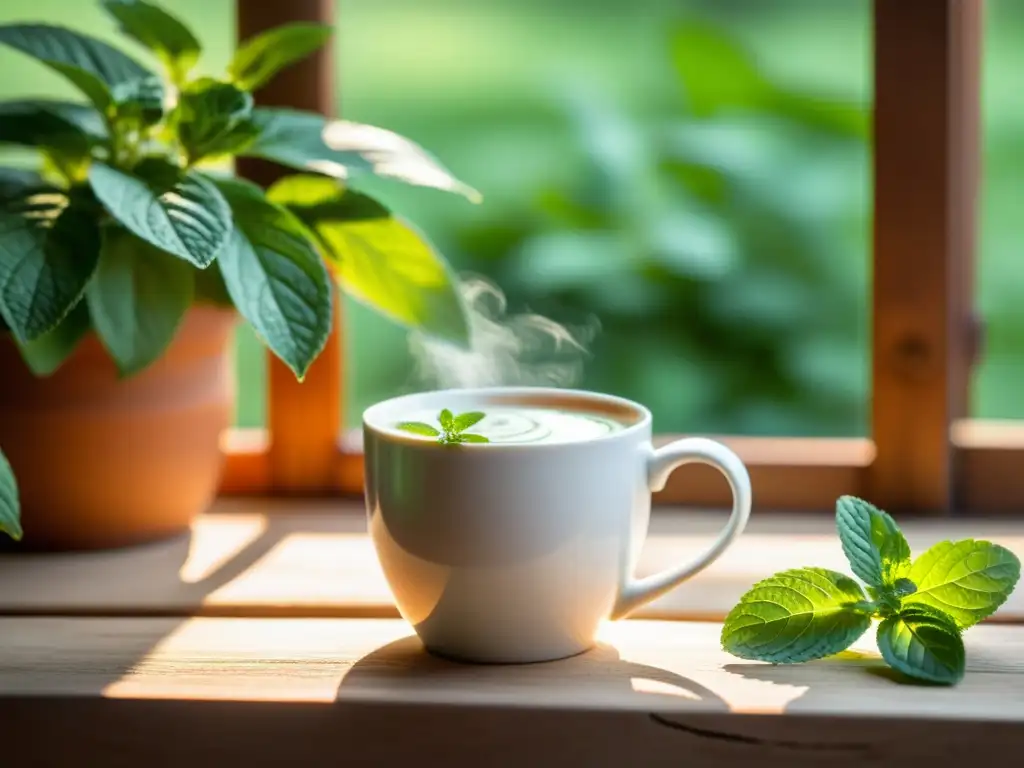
(903, 587)
(275, 277)
(447, 420)
(342, 149)
(159, 31)
(469, 437)
(93, 66)
(49, 246)
(182, 213)
(466, 420)
(46, 353)
(795, 616)
(261, 57)
(418, 428)
(16, 183)
(924, 644)
(872, 542)
(10, 507)
(140, 100)
(137, 299)
(967, 580)
(209, 112)
(71, 128)
(378, 258)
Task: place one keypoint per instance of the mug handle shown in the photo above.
(634, 593)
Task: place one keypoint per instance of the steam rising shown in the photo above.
(506, 350)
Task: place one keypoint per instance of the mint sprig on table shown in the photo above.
(453, 428)
(924, 605)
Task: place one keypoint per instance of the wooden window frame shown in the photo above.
(924, 455)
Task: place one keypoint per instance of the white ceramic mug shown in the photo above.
(517, 552)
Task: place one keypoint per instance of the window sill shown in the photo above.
(268, 637)
(312, 559)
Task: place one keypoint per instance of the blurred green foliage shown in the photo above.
(709, 246)
(477, 82)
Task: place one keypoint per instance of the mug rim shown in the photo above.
(372, 416)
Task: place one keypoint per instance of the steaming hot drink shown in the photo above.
(512, 424)
(519, 550)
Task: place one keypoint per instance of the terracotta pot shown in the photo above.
(103, 461)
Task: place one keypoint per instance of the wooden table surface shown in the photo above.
(267, 638)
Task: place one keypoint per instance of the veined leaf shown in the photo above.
(10, 508)
(469, 437)
(342, 149)
(49, 246)
(967, 580)
(141, 100)
(137, 298)
(46, 353)
(276, 278)
(261, 57)
(447, 420)
(92, 65)
(795, 616)
(377, 257)
(923, 643)
(418, 428)
(156, 29)
(873, 543)
(211, 111)
(71, 128)
(466, 420)
(178, 212)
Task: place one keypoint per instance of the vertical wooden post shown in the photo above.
(303, 418)
(926, 163)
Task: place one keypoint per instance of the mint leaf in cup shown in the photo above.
(418, 428)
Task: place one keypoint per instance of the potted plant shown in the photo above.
(127, 257)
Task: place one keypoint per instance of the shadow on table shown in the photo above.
(596, 678)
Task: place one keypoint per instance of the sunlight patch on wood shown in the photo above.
(216, 540)
(252, 660)
(310, 569)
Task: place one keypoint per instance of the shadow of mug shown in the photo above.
(404, 671)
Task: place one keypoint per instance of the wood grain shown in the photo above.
(312, 691)
(258, 557)
(927, 62)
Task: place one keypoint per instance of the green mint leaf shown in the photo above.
(418, 428)
(446, 419)
(137, 299)
(342, 149)
(49, 246)
(466, 420)
(10, 517)
(90, 64)
(159, 31)
(967, 580)
(377, 257)
(178, 212)
(275, 277)
(873, 543)
(45, 354)
(924, 644)
(795, 616)
(469, 437)
(261, 57)
(210, 113)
